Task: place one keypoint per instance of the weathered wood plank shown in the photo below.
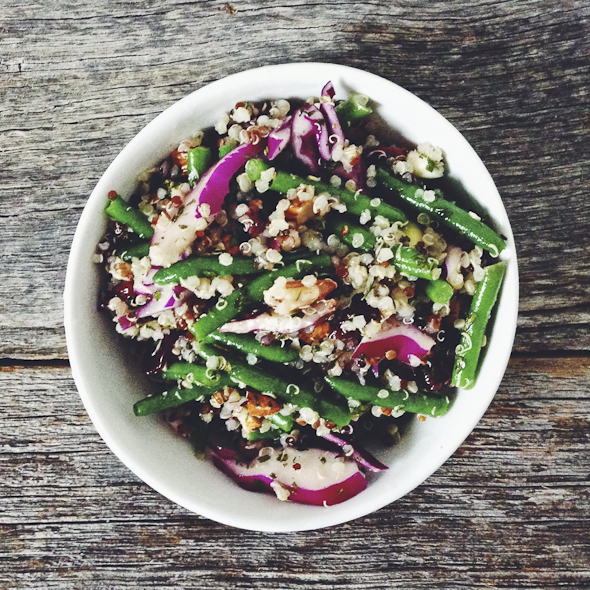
(509, 509)
(511, 76)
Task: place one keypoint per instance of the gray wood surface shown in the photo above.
(511, 508)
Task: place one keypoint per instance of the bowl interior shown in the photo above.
(109, 382)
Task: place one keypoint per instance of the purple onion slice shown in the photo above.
(304, 141)
(310, 476)
(358, 453)
(279, 138)
(172, 238)
(405, 340)
(281, 324)
(168, 297)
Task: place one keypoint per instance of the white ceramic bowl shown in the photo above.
(109, 383)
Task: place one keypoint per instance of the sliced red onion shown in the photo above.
(322, 134)
(279, 138)
(304, 141)
(126, 322)
(328, 90)
(172, 238)
(310, 476)
(281, 324)
(358, 453)
(146, 285)
(171, 296)
(405, 339)
(222, 451)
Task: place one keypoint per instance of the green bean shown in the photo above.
(170, 399)
(267, 434)
(286, 391)
(349, 232)
(438, 291)
(256, 288)
(356, 203)
(121, 211)
(353, 109)
(280, 424)
(415, 403)
(225, 149)
(447, 213)
(411, 263)
(252, 293)
(138, 250)
(247, 344)
(225, 310)
(294, 255)
(199, 160)
(472, 335)
(199, 374)
(253, 376)
(206, 266)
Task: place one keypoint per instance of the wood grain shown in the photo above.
(507, 510)
(511, 508)
(511, 76)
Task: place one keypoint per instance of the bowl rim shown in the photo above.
(328, 517)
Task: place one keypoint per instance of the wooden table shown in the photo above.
(511, 508)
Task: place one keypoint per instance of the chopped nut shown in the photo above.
(260, 405)
(299, 211)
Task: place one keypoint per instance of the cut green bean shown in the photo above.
(267, 434)
(411, 263)
(198, 374)
(208, 267)
(225, 310)
(199, 160)
(469, 349)
(439, 209)
(247, 344)
(228, 308)
(284, 423)
(245, 375)
(286, 391)
(170, 399)
(279, 425)
(438, 291)
(352, 110)
(138, 250)
(226, 149)
(124, 213)
(415, 403)
(348, 231)
(356, 203)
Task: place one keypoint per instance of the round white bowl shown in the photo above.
(109, 383)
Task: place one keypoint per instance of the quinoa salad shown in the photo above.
(299, 289)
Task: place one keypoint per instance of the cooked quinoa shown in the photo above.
(323, 317)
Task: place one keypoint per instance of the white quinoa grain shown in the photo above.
(358, 240)
(225, 259)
